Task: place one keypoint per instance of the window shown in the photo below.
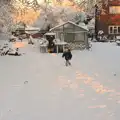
(119, 29)
(114, 30)
(114, 9)
(110, 30)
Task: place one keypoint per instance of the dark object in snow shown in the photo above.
(16, 53)
(12, 40)
(51, 47)
(4, 51)
(21, 39)
(25, 82)
(114, 74)
(9, 51)
(68, 56)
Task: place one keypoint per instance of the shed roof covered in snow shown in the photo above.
(29, 28)
(50, 33)
(70, 22)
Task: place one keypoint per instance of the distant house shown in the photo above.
(71, 33)
(40, 33)
(18, 28)
(44, 29)
(109, 18)
(32, 30)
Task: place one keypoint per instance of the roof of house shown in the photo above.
(29, 28)
(49, 33)
(70, 23)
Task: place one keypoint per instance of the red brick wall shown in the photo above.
(106, 19)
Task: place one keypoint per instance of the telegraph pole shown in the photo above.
(96, 22)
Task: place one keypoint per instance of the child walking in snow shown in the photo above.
(68, 55)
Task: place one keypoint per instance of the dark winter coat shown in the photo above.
(67, 55)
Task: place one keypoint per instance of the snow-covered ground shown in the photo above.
(39, 86)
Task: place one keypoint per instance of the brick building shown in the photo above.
(109, 17)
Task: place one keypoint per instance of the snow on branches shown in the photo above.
(28, 11)
(5, 15)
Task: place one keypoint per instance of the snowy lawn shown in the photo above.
(39, 86)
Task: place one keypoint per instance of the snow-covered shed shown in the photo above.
(71, 33)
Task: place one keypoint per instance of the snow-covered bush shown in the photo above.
(43, 41)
